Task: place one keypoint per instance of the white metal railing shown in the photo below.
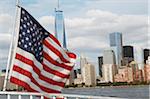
(53, 96)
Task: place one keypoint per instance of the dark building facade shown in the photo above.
(100, 63)
(128, 54)
(146, 54)
(75, 73)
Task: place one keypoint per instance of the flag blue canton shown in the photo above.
(31, 35)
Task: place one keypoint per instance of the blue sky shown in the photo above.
(88, 23)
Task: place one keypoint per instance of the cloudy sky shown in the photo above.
(88, 23)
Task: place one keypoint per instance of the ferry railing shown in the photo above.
(19, 95)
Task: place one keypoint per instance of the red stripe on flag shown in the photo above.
(37, 71)
(46, 56)
(54, 39)
(46, 68)
(28, 74)
(71, 55)
(22, 83)
(48, 45)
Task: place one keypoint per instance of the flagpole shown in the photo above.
(11, 47)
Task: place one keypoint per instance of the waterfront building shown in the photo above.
(100, 63)
(60, 27)
(78, 80)
(108, 72)
(90, 75)
(130, 74)
(147, 70)
(128, 54)
(146, 54)
(70, 81)
(125, 74)
(83, 61)
(139, 57)
(108, 56)
(147, 73)
(108, 68)
(116, 45)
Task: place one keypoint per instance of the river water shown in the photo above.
(129, 92)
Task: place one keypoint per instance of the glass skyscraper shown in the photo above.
(116, 45)
(60, 27)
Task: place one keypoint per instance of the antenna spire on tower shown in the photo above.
(58, 5)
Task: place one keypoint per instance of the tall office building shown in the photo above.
(116, 45)
(60, 27)
(83, 61)
(128, 54)
(108, 72)
(100, 63)
(146, 54)
(90, 75)
(108, 56)
(139, 57)
(108, 67)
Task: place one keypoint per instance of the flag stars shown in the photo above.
(23, 33)
(28, 17)
(35, 44)
(27, 38)
(31, 22)
(40, 48)
(21, 20)
(30, 44)
(22, 40)
(21, 28)
(34, 39)
(28, 31)
(31, 29)
(19, 43)
(23, 12)
(31, 36)
(25, 46)
(25, 18)
(40, 53)
(24, 26)
(28, 23)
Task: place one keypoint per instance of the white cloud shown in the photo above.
(92, 30)
(4, 48)
(46, 20)
(78, 22)
(5, 23)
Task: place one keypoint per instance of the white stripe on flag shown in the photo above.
(60, 49)
(52, 54)
(43, 72)
(54, 67)
(26, 80)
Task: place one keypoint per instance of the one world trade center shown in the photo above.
(60, 27)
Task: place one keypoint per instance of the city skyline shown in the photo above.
(88, 23)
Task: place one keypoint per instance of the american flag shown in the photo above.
(40, 64)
